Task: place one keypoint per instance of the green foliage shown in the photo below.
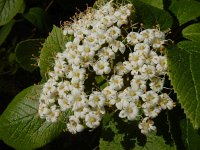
(192, 32)
(155, 142)
(8, 9)
(185, 10)
(189, 46)
(53, 44)
(151, 16)
(21, 127)
(5, 30)
(27, 53)
(119, 135)
(37, 17)
(184, 75)
(155, 3)
(190, 136)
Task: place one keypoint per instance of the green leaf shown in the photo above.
(27, 53)
(184, 73)
(99, 79)
(189, 46)
(54, 43)
(8, 9)
(5, 30)
(185, 10)
(20, 125)
(155, 3)
(151, 16)
(192, 32)
(120, 135)
(155, 142)
(190, 136)
(37, 17)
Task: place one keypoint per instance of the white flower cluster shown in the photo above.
(130, 63)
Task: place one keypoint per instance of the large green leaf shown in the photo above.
(119, 135)
(27, 53)
(53, 44)
(155, 3)
(8, 9)
(151, 16)
(185, 10)
(20, 125)
(184, 73)
(155, 142)
(190, 46)
(190, 136)
(192, 32)
(37, 17)
(5, 30)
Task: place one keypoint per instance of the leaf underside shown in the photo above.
(184, 72)
(21, 127)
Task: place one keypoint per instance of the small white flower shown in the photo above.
(107, 9)
(106, 53)
(63, 88)
(96, 99)
(70, 46)
(122, 20)
(148, 35)
(156, 84)
(165, 102)
(110, 94)
(90, 40)
(142, 48)
(113, 33)
(122, 101)
(117, 45)
(78, 98)
(157, 43)
(77, 85)
(101, 67)
(78, 34)
(73, 57)
(60, 67)
(150, 97)
(101, 37)
(131, 111)
(151, 58)
(133, 94)
(134, 38)
(92, 120)
(77, 73)
(121, 69)
(65, 103)
(50, 87)
(146, 126)
(136, 59)
(162, 65)
(138, 84)
(149, 71)
(53, 115)
(127, 65)
(43, 110)
(74, 125)
(150, 110)
(116, 82)
(86, 50)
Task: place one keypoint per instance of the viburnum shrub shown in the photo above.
(106, 45)
(125, 70)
